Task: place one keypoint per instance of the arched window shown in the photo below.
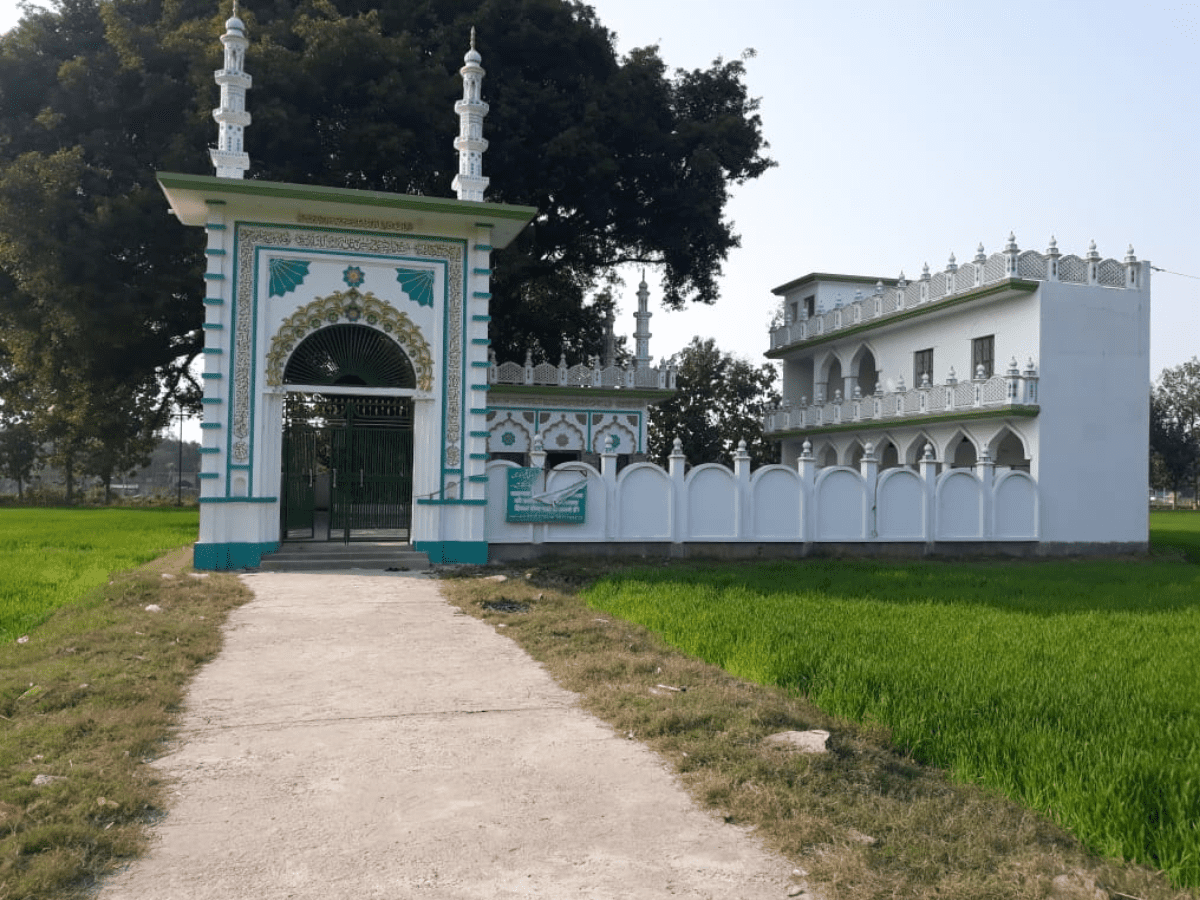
(350, 355)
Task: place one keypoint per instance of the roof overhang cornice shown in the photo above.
(192, 196)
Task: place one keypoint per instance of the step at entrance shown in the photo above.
(308, 556)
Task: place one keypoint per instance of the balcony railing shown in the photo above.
(957, 280)
(1015, 388)
(583, 376)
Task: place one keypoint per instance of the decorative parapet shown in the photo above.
(1015, 389)
(957, 280)
(593, 375)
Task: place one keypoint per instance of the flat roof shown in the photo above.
(190, 196)
(825, 276)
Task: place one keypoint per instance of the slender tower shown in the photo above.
(230, 160)
(469, 183)
(642, 334)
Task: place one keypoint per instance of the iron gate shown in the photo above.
(347, 468)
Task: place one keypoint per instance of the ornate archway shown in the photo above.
(353, 308)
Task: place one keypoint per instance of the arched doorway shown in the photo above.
(347, 457)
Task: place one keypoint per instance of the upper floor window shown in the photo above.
(983, 353)
(922, 366)
(810, 305)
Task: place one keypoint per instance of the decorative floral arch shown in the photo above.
(356, 308)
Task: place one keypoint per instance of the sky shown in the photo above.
(906, 130)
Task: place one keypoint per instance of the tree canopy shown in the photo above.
(1175, 427)
(625, 160)
(720, 401)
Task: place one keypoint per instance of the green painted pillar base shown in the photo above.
(470, 552)
(224, 557)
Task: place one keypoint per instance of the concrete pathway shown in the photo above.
(358, 737)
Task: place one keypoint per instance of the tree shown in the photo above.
(1175, 428)
(20, 453)
(720, 400)
(624, 161)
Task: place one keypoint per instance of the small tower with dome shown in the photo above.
(229, 156)
(470, 183)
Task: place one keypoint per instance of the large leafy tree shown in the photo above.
(1175, 428)
(720, 402)
(625, 161)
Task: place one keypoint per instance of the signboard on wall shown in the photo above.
(529, 502)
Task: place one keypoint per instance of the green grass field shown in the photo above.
(1070, 686)
(49, 557)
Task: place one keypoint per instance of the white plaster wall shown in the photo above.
(776, 503)
(645, 502)
(1094, 394)
(712, 503)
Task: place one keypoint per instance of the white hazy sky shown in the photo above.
(906, 130)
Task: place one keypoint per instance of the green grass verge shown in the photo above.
(49, 557)
(1070, 686)
(86, 702)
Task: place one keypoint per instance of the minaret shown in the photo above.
(642, 334)
(469, 183)
(230, 160)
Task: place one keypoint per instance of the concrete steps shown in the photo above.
(315, 556)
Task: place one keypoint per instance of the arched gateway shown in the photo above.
(346, 350)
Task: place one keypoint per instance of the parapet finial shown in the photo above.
(472, 29)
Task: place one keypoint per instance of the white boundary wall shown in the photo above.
(647, 504)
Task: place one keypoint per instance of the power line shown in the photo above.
(1180, 274)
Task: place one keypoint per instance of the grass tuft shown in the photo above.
(87, 702)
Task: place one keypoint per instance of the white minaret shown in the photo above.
(469, 183)
(642, 334)
(230, 160)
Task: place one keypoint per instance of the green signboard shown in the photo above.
(529, 502)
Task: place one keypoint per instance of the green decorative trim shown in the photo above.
(214, 251)
(212, 376)
(1013, 284)
(481, 272)
(483, 248)
(1000, 412)
(463, 552)
(483, 456)
(239, 465)
(223, 557)
(355, 307)
(215, 226)
(478, 479)
(213, 276)
(480, 387)
(210, 425)
(417, 284)
(481, 295)
(481, 342)
(286, 275)
(239, 499)
(479, 411)
(211, 400)
(214, 326)
(479, 434)
(376, 199)
(480, 364)
(210, 449)
(213, 351)
(481, 318)
(209, 475)
(214, 301)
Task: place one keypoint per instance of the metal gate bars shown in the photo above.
(347, 468)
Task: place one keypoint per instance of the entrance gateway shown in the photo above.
(346, 348)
